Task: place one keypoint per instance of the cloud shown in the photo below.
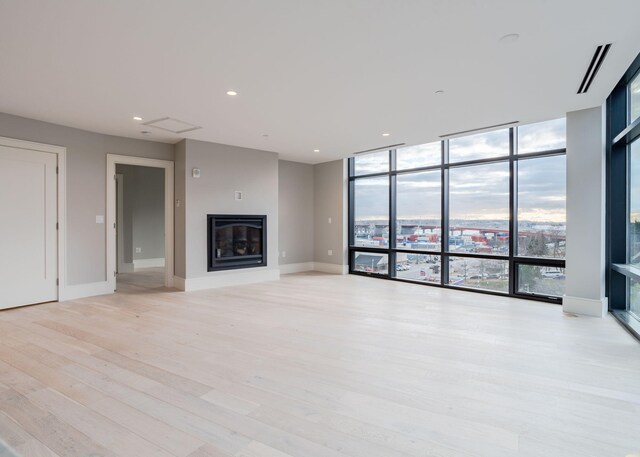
(478, 191)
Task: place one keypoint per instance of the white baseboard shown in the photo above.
(126, 268)
(331, 268)
(85, 290)
(229, 278)
(296, 267)
(148, 263)
(585, 306)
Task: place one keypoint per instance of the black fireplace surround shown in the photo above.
(236, 241)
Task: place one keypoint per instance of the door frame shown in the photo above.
(61, 153)
(168, 166)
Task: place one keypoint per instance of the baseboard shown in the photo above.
(126, 268)
(228, 278)
(148, 263)
(85, 290)
(296, 267)
(331, 268)
(585, 306)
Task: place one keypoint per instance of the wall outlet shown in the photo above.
(238, 195)
(99, 219)
(329, 252)
(195, 172)
(138, 250)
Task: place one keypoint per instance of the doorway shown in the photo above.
(140, 218)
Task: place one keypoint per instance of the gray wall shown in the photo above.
(224, 170)
(143, 192)
(586, 189)
(330, 201)
(180, 204)
(296, 214)
(86, 174)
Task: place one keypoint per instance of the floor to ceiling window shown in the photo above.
(483, 212)
(623, 195)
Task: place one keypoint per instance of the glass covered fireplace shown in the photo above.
(236, 241)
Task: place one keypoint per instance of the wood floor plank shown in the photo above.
(314, 365)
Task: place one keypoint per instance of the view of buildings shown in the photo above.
(479, 190)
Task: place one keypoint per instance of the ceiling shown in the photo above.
(331, 75)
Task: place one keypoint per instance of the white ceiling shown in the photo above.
(330, 75)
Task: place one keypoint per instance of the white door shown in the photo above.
(28, 234)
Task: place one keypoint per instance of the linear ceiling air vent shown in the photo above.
(169, 124)
(481, 129)
(381, 148)
(594, 66)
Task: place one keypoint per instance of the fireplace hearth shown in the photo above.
(236, 241)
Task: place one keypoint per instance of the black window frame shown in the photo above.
(513, 258)
(621, 131)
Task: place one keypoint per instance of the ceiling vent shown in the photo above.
(478, 130)
(594, 66)
(381, 148)
(169, 124)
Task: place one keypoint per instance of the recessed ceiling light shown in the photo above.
(510, 38)
(316, 150)
(386, 134)
(137, 118)
(232, 92)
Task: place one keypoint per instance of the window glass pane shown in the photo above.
(418, 267)
(543, 136)
(634, 203)
(479, 209)
(534, 279)
(371, 212)
(634, 298)
(634, 99)
(487, 274)
(370, 262)
(418, 210)
(479, 146)
(542, 207)
(376, 162)
(423, 155)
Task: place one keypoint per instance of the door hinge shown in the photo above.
(57, 281)
(57, 226)
(114, 274)
(57, 170)
(114, 225)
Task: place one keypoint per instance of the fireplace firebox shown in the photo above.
(236, 241)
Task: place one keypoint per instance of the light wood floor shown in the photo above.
(316, 366)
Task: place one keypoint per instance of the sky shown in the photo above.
(479, 192)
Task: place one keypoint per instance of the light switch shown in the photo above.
(99, 219)
(138, 250)
(330, 221)
(329, 252)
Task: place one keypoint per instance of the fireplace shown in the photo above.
(236, 241)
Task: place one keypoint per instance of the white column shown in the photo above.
(585, 252)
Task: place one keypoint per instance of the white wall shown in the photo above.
(586, 188)
(86, 186)
(296, 216)
(224, 170)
